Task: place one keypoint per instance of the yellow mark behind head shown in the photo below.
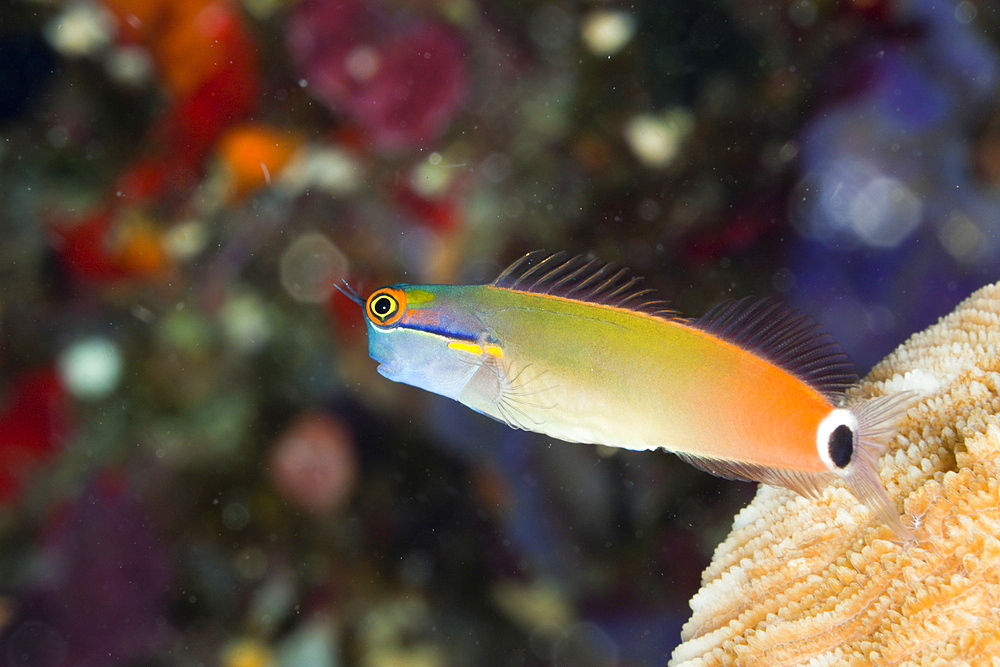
(472, 348)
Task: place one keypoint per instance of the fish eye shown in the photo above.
(386, 306)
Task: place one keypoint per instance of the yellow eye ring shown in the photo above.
(385, 306)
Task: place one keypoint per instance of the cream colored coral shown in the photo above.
(822, 582)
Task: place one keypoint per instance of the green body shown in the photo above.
(584, 372)
(579, 350)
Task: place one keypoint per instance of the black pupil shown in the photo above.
(382, 306)
(841, 446)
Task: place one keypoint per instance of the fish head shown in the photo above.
(412, 342)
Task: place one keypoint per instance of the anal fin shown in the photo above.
(808, 484)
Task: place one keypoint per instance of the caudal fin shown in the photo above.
(877, 420)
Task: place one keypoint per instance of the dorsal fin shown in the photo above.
(582, 279)
(785, 337)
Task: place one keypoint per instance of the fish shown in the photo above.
(583, 351)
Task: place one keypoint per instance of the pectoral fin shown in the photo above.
(519, 398)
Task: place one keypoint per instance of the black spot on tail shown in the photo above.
(841, 445)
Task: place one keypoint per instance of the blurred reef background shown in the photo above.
(198, 462)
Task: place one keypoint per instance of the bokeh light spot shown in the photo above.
(852, 196)
(551, 27)
(606, 32)
(963, 239)
(245, 322)
(656, 138)
(885, 212)
(803, 13)
(496, 167)
(91, 368)
(323, 168)
(965, 12)
(186, 239)
(83, 29)
(362, 63)
(235, 516)
(310, 266)
(430, 178)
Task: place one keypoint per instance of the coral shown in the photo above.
(823, 582)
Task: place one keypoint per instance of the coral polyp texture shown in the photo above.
(823, 582)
